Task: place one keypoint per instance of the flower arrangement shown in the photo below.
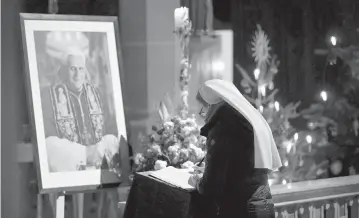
(176, 141)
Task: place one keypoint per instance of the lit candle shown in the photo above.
(256, 73)
(324, 95)
(261, 108)
(262, 90)
(333, 40)
(296, 136)
(286, 163)
(309, 139)
(276, 106)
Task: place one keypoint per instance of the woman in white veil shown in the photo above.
(240, 153)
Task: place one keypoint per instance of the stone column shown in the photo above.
(151, 57)
(13, 110)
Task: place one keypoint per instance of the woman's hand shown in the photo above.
(198, 170)
(194, 179)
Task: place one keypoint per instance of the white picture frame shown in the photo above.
(82, 127)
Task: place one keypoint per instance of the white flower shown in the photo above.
(191, 121)
(176, 158)
(156, 149)
(175, 119)
(191, 139)
(184, 153)
(187, 165)
(168, 125)
(182, 122)
(186, 130)
(173, 149)
(181, 17)
(202, 140)
(160, 164)
(198, 153)
(138, 158)
(191, 146)
(192, 129)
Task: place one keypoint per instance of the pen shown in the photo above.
(200, 162)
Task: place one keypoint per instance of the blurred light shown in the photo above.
(296, 136)
(284, 182)
(286, 163)
(271, 86)
(333, 40)
(324, 95)
(276, 105)
(311, 125)
(270, 182)
(262, 90)
(301, 162)
(218, 66)
(256, 73)
(289, 146)
(309, 139)
(261, 108)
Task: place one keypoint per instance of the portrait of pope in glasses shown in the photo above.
(77, 103)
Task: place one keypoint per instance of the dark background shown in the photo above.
(296, 28)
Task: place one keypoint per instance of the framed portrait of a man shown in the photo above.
(73, 67)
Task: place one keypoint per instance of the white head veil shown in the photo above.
(265, 150)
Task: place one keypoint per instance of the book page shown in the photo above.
(175, 177)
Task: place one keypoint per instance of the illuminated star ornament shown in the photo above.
(261, 48)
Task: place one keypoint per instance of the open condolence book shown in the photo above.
(176, 177)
